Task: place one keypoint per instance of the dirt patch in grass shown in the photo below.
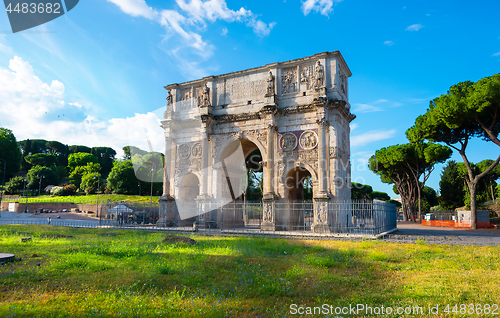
(109, 234)
(179, 239)
(57, 236)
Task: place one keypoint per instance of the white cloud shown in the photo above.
(322, 6)
(496, 54)
(34, 109)
(260, 28)
(75, 104)
(353, 126)
(5, 48)
(388, 43)
(212, 10)
(185, 22)
(370, 108)
(361, 160)
(366, 108)
(371, 136)
(414, 27)
(136, 8)
(224, 32)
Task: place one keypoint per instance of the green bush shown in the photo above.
(57, 191)
(70, 189)
(15, 185)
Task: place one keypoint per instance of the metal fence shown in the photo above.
(351, 217)
(127, 214)
(282, 218)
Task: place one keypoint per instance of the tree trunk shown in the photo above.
(404, 208)
(419, 192)
(411, 210)
(492, 192)
(473, 212)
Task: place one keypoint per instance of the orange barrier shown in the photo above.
(448, 223)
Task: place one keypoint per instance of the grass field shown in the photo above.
(87, 199)
(101, 273)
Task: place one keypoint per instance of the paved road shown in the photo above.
(409, 232)
(411, 228)
(43, 218)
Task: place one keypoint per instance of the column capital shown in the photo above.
(322, 122)
(272, 127)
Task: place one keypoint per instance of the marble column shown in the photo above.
(269, 164)
(322, 158)
(204, 172)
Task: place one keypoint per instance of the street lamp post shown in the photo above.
(25, 195)
(3, 180)
(97, 204)
(40, 184)
(152, 175)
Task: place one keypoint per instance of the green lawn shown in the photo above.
(88, 199)
(132, 273)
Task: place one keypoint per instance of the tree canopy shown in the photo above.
(79, 148)
(80, 159)
(41, 159)
(404, 165)
(390, 164)
(10, 152)
(130, 151)
(81, 171)
(451, 187)
(41, 175)
(106, 157)
(468, 110)
(121, 179)
(360, 191)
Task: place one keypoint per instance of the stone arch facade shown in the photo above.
(295, 112)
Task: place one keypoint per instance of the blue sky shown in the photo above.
(95, 76)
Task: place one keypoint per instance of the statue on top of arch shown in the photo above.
(270, 84)
(204, 96)
(319, 75)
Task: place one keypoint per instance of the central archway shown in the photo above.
(298, 185)
(297, 212)
(240, 183)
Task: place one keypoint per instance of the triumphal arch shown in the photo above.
(296, 114)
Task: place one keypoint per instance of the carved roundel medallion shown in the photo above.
(196, 150)
(308, 140)
(184, 151)
(288, 142)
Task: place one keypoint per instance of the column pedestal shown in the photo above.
(320, 224)
(268, 215)
(167, 212)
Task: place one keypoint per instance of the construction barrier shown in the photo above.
(450, 223)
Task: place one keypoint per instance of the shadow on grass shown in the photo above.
(135, 273)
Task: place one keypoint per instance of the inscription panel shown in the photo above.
(241, 89)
